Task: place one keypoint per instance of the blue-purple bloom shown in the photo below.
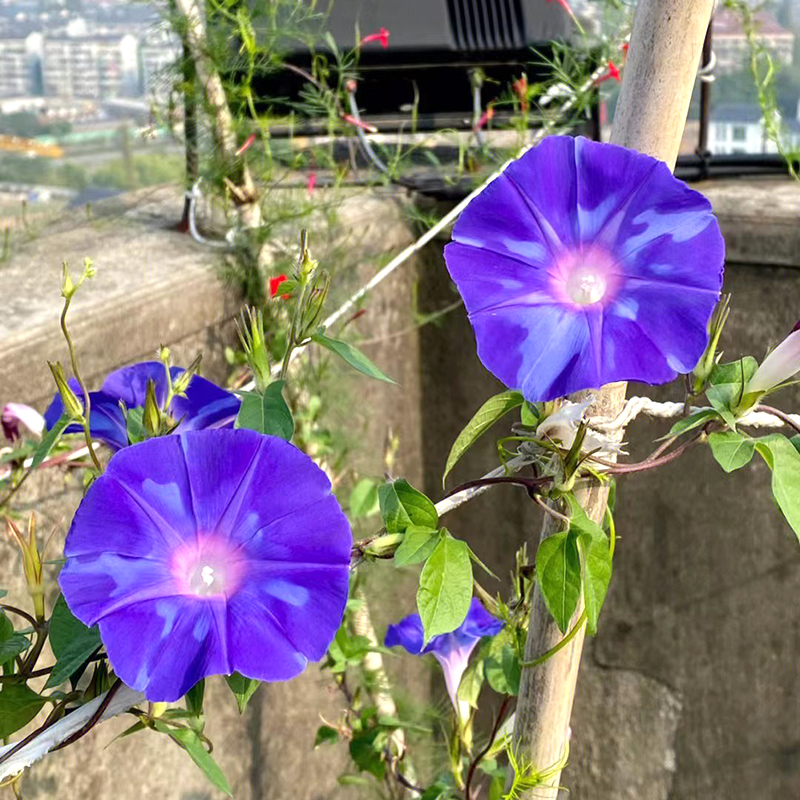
(586, 263)
(206, 405)
(451, 650)
(207, 553)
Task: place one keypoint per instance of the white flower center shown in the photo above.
(208, 579)
(586, 286)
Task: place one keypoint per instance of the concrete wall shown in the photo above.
(154, 285)
(689, 690)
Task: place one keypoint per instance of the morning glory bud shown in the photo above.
(31, 562)
(15, 414)
(708, 361)
(72, 405)
(313, 305)
(779, 366)
(251, 335)
(151, 417)
(180, 383)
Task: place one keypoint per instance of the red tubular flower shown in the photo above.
(485, 117)
(565, 5)
(625, 47)
(520, 88)
(612, 73)
(275, 285)
(359, 124)
(247, 144)
(382, 36)
(312, 182)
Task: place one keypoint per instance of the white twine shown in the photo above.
(635, 406)
(38, 748)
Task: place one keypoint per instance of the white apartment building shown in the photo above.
(157, 60)
(738, 129)
(90, 67)
(20, 58)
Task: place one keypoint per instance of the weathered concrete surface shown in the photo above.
(690, 690)
(760, 219)
(155, 285)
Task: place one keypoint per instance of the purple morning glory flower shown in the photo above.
(451, 650)
(207, 553)
(586, 263)
(205, 404)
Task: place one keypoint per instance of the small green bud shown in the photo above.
(67, 286)
(313, 306)
(164, 355)
(251, 335)
(72, 405)
(89, 269)
(151, 416)
(181, 383)
(709, 359)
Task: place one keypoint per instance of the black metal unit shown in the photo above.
(434, 48)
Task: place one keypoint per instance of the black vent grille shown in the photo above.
(487, 24)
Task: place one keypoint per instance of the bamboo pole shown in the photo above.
(665, 49)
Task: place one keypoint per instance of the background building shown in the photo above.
(20, 65)
(90, 67)
(731, 46)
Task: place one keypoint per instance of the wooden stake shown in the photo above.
(665, 49)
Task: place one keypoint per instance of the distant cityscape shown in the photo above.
(64, 59)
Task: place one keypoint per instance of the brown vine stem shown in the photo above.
(781, 415)
(477, 760)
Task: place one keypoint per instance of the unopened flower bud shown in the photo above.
(708, 361)
(72, 405)
(313, 305)
(778, 367)
(151, 415)
(181, 383)
(15, 414)
(67, 286)
(31, 562)
(251, 334)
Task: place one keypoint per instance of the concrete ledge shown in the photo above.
(759, 217)
(154, 286)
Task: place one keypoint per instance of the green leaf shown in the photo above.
(49, 440)
(726, 389)
(418, 543)
(402, 505)
(13, 646)
(529, 415)
(445, 587)
(363, 498)
(193, 745)
(18, 706)
(491, 411)
(72, 643)
(135, 425)
(502, 665)
(558, 570)
(690, 423)
(355, 358)
(471, 683)
(596, 564)
(194, 698)
(366, 750)
(784, 461)
(243, 689)
(731, 450)
(326, 735)
(266, 413)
